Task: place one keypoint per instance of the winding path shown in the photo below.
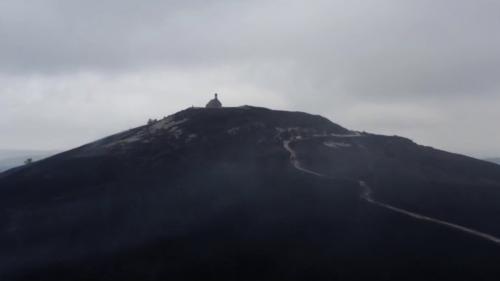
(295, 161)
(367, 196)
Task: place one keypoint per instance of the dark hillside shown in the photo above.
(218, 194)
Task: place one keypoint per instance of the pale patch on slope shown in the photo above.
(333, 144)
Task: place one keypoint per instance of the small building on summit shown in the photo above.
(214, 103)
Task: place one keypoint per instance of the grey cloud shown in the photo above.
(402, 66)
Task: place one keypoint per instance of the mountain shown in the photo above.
(13, 158)
(250, 193)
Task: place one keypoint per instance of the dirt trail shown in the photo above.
(367, 196)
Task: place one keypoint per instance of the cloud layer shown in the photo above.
(72, 71)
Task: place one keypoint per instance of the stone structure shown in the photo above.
(214, 103)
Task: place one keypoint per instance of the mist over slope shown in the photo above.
(10, 158)
(250, 193)
(494, 160)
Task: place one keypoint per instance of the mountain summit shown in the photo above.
(250, 193)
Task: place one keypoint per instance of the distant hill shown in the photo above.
(246, 194)
(10, 158)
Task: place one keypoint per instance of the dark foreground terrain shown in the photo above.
(250, 194)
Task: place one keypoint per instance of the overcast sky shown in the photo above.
(74, 71)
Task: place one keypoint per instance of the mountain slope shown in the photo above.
(250, 194)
